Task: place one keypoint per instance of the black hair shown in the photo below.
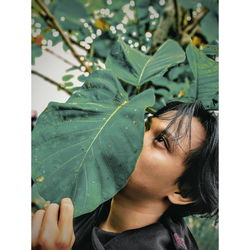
(199, 182)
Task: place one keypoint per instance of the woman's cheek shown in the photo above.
(149, 165)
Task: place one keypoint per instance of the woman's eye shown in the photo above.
(160, 138)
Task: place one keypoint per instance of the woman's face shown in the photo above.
(161, 163)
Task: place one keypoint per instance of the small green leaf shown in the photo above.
(175, 72)
(209, 26)
(162, 92)
(72, 9)
(87, 148)
(135, 68)
(161, 82)
(82, 78)
(142, 13)
(116, 5)
(174, 87)
(190, 4)
(55, 40)
(36, 52)
(210, 49)
(67, 77)
(73, 68)
(68, 84)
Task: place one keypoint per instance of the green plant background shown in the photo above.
(91, 30)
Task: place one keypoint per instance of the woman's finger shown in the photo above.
(65, 224)
(72, 240)
(49, 229)
(37, 220)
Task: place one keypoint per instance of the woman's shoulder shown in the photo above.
(179, 232)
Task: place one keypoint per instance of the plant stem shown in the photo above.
(62, 33)
(167, 20)
(177, 17)
(196, 21)
(60, 57)
(59, 85)
(48, 21)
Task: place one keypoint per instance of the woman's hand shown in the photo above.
(50, 232)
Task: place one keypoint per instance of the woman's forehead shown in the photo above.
(162, 121)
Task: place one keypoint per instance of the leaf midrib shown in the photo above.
(103, 127)
(143, 69)
(90, 146)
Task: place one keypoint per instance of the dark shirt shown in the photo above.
(167, 234)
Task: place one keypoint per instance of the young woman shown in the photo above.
(176, 175)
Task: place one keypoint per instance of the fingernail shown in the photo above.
(66, 200)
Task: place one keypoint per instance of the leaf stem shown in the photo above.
(60, 57)
(59, 85)
(48, 21)
(167, 20)
(196, 21)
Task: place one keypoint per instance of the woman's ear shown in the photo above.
(177, 199)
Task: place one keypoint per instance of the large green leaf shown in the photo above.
(135, 68)
(205, 71)
(87, 148)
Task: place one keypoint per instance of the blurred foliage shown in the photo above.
(205, 232)
(91, 28)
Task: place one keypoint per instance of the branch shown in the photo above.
(177, 17)
(196, 21)
(166, 21)
(76, 43)
(46, 19)
(59, 85)
(60, 57)
(80, 46)
(62, 33)
(194, 30)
